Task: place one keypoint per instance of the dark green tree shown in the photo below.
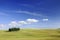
(13, 29)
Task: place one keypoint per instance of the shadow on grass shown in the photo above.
(55, 35)
(11, 31)
(50, 39)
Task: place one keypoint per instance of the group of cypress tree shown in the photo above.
(13, 29)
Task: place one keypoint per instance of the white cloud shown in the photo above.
(45, 19)
(2, 25)
(13, 24)
(28, 21)
(3, 14)
(32, 20)
(31, 13)
(22, 22)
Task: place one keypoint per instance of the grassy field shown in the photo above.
(31, 34)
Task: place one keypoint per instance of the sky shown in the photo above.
(29, 13)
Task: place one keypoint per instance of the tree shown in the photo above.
(13, 29)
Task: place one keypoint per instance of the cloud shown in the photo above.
(2, 25)
(3, 14)
(31, 13)
(13, 24)
(20, 23)
(32, 20)
(45, 19)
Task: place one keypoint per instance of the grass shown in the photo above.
(31, 34)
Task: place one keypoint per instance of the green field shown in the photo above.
(31, 34)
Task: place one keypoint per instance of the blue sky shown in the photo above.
(47, 12)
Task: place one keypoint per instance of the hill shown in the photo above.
(31, 34)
